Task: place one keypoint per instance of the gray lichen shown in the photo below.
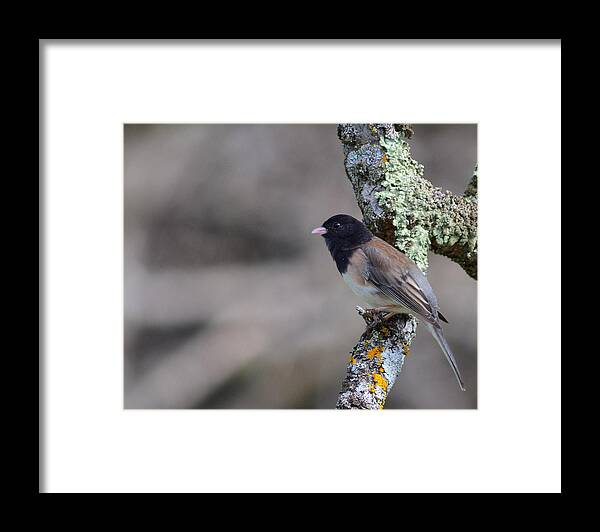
(375, 362)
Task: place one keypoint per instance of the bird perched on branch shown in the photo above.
(384, 277)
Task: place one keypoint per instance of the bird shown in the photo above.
(384, 277)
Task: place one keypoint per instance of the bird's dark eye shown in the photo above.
(337, 225)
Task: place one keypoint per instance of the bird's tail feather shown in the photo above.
(438, 334)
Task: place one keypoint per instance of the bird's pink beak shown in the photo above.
(319, 231)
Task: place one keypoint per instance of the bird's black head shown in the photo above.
(346, 228)
(342, 233)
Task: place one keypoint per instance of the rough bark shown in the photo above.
(402, 207)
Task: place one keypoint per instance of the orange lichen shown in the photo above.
(353, 360)
(380, 380)
(405, 349)
(375, 352)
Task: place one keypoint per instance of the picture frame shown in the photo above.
(89, 89)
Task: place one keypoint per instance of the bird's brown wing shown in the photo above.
(400, 279)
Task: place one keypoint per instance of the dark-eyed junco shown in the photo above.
(383, 277)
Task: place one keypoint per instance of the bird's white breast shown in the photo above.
(367, 292)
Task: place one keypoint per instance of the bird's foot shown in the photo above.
(372, 316)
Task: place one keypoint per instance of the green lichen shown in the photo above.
(425, 217)
(401, 206)
(405, 194)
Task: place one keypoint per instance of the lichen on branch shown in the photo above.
(402, 207)
(375, 362)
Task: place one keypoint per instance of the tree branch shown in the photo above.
(376, 361)
(471, 190)
(402, 207)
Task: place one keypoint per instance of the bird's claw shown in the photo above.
(372, 317)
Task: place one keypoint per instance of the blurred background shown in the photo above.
(230, 302)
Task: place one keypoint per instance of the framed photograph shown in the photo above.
(231, 303)
(243, 241)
